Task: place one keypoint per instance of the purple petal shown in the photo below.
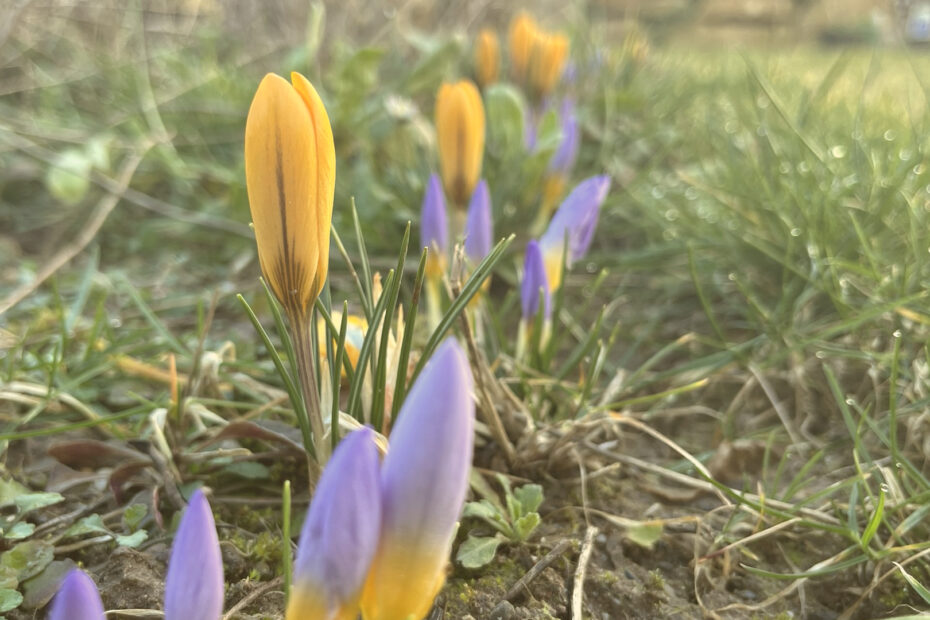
(434, 229)
(340, 534)
(564, 157)
(77, 599)
(478, 226)
(194, 584)
(425, 473)
(577, 218)
(534, 279)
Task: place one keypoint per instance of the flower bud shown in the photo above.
(290, 169)
(340, 534)
(194, 583)
(574, 222)
(487, 57)
(77, 599)
(460, 134)
(423, 484)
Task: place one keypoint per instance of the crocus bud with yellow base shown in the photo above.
(424, 479)
(487, 57)
(290, 170)
(572, 227)
(339, 535)
(460, 127)
(522, 33)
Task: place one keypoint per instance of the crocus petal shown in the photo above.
(547, 61)
(522, 32)
(290, 169)
(434, 227)
(460, 127)
(423, 486)
(194, 584)
(534, 280)
(487, 57)
(576, 219)
(340, 533)
(564, 157)
(478, 226)
(77, 599)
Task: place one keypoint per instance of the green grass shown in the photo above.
(762, 258)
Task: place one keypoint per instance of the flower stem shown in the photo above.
(303, 350)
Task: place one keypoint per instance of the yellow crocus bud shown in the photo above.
(522, 32)
(290, 170)
(487, 57)
(460, 133)
(547, 61)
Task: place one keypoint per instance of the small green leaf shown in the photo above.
(19, 531)
(481, 510)
(9, 600)
(91, 524)
(28, 558)
(8, 578)
(133, 540)
(477, 551)
(34, 501)
(68, 178)
(133, 516)
(645, 534)
(530, 497)
(525, 525)
(249, 470)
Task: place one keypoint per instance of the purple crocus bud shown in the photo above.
(77, 599)
(534, 280)
(194, 584)
(567, 152)
(434, 226)
(423, 486)
(478, 226)
(340, 534)
(575, 220)
(570, 73)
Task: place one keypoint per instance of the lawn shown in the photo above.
(728, 416)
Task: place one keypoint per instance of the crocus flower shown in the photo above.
(487, 57)
(77, 599)
(563, 159)
(434, 227)
(460, 127)
(574, 222)
(534, 281)
(290, 169)
(423, 484)
(520, 39)
(547, 61)
(194, 584)
(356, 327)
(479, 226)
(340, 534)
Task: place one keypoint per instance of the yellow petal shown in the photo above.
(290, 176)
(403, 582)
(487, 57)
(460, 128)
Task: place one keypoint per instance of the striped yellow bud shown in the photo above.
(550, 51)
(487, 57)
(460, 133)
(290, 170)
(522, 33)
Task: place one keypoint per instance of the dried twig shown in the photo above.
(539, 567)
(242, 604)
(578, 589)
